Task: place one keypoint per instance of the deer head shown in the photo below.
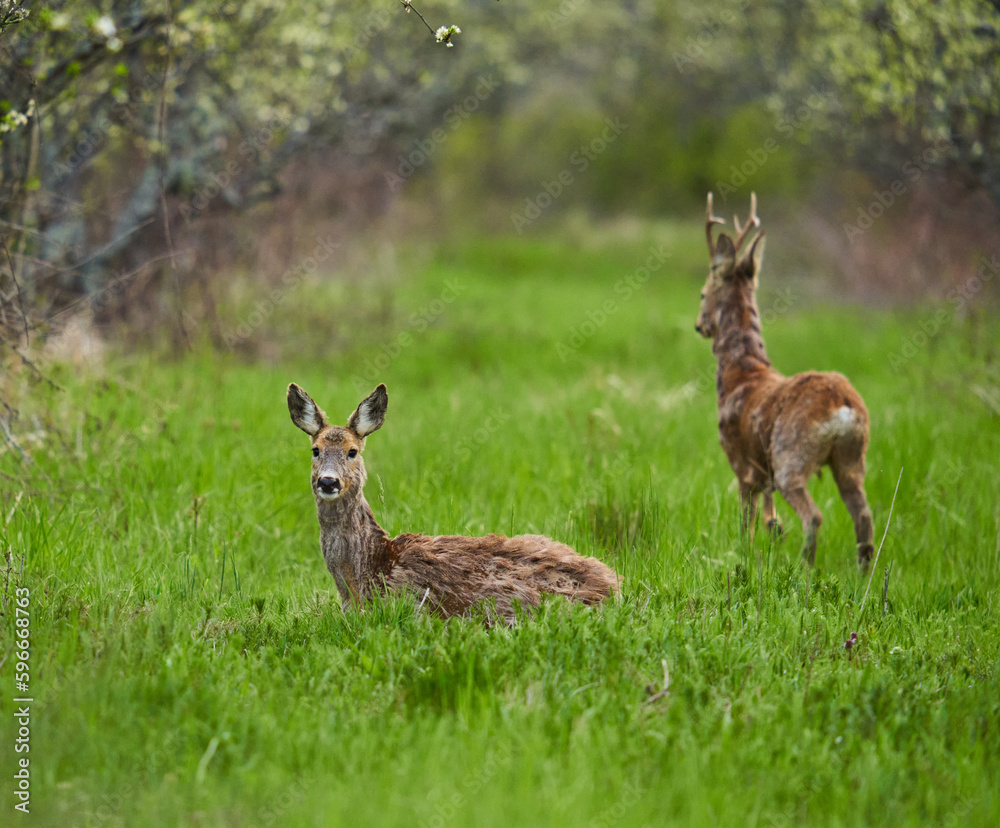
(732, 265)
(338, 470)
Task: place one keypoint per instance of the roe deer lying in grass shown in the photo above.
(777, 431)
(449, 573)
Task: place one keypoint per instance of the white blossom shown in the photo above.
(105, 27)
(445, 34)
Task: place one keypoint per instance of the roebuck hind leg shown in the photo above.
(770, 516)
(795, 492)
(851, 484)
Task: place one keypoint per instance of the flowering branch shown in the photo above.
(443, 34)
(11, 12)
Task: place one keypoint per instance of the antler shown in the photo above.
(752, 220)
(710, 220)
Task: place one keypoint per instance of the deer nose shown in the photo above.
(328, 485)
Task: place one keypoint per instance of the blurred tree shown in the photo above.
(124, 123)
(120, 120)
(911, 85)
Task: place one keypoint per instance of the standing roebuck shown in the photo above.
(778, 431)
(449, 573)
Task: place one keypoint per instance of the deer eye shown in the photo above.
(315, 452)
(352, 453)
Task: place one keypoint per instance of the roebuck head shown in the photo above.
(732, 269)
(338, 470)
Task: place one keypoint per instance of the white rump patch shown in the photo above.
(842, 422)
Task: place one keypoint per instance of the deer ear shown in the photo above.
(725, 255)
(370, 415)
(305, 413)
(754, 254)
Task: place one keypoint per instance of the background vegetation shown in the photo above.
(155, 145)
(200, 203)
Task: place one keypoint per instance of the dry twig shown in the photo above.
(665, 691)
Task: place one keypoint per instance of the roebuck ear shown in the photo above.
(753, 258)
(724, 255)
(370, 415)
(305, 413)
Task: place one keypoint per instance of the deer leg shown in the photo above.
(852, 491)
(805, 507)
(770, 516)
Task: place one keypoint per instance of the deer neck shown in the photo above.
(356, 549)
(739, 346)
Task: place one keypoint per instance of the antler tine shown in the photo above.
(752, 221)
(710, 220)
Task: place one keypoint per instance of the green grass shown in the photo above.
(190, 663)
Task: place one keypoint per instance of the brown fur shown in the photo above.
(778, 431)
(448, 574)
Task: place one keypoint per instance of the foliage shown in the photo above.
(904, 76)
(132, 133)
(104, 112)
(190, 666)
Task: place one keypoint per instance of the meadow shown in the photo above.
(190, 663)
